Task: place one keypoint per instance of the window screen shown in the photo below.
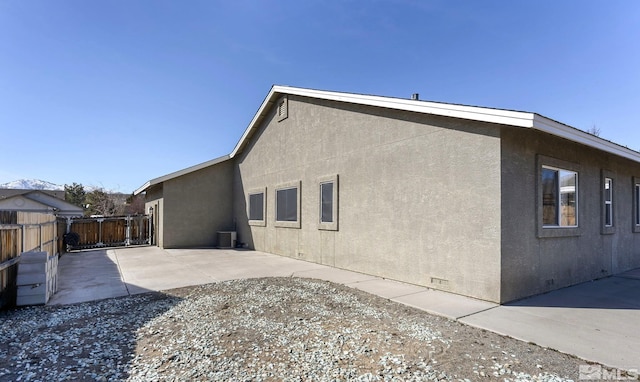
(326, 203)
(256, 206)
(287, 205)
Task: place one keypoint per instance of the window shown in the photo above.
(288, 205)
(256, 209)
(256, 202)
(608, 202)
(328, 206)
(326, 202)
(559, 197)
(636, 204)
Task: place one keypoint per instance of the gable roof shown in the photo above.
(62, 206)
(518, 119)
(176, 174)
(22, 203)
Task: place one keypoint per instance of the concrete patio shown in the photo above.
(598, 321)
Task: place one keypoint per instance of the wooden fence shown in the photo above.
(112, 231)
(22, 232)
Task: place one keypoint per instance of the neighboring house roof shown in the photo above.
(40, 201)
(176, 174)
(519, 119)
(22, 203)
(7, 192)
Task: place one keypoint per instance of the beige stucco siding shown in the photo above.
(197, 205)
(154, 205)
(419, 196)
(533, 264)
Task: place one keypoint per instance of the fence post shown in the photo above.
(127, 237)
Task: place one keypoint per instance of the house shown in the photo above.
(39, 201)
(7, 192)
(488, 203)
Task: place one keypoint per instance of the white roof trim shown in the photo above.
(481, 114)
(558, 129)
(176, 174)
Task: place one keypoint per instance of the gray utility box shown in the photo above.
(37, 278)
(226, 239)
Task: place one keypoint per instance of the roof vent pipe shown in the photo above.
(415, 96)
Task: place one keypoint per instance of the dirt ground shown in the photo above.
(267, 329)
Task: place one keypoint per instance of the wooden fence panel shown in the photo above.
(110, 231)
(10, 250)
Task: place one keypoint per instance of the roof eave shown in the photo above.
(178, 173)
(558, 129)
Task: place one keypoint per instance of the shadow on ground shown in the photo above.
(85, 341)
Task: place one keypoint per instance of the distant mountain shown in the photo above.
(32, 184)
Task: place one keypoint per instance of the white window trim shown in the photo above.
(328, 226)
(636, 205)
(263, 222)
(286, 186)
(608, 228)
(550, 231)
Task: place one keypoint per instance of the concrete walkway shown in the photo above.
(598, 321)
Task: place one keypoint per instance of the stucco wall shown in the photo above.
(533, 263)
(197, 205)
(154, 205)
(419, 196)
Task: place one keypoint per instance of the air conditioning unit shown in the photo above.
(226, 239)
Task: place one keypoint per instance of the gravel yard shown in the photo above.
(268, 329)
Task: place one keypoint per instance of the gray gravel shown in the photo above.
(271, 329)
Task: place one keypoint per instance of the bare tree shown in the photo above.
(593, 130)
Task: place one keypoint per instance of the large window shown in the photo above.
(328, 208)
(559, 197)
(256, 209)
(288, 205)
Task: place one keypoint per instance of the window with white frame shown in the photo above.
(256, 207)
(288, 205)
(608, 202)
(636, 204)
(328, 208)
(559, 197)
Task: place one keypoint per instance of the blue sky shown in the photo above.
(114, 93)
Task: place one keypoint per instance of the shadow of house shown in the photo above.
(488, 203)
